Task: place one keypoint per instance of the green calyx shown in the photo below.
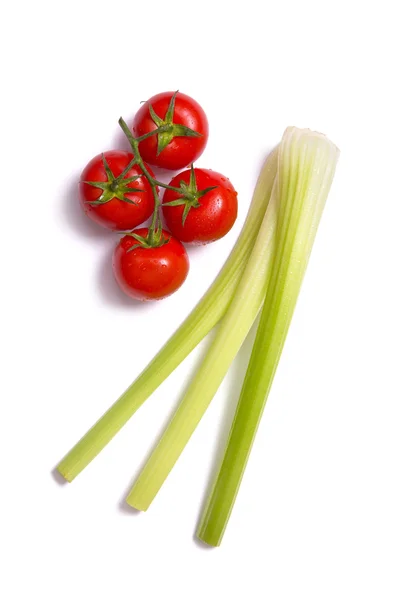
(190, 195)
(154, 239)
(115, 187)
(167, 129)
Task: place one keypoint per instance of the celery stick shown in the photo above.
(306, 166)
(197, 325)
(231, 333)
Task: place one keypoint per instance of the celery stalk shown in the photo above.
(306, 166)
(231, 333)
(197, 325)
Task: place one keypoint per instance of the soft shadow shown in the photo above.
(165, 175)
(202, 545)
(58, 478)
(263, 159)
(110, 290)
(125, 509)
(236, 376)
(74, 215)
(196, 249)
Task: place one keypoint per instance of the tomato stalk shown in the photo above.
(197, 325)
(166, 130)
(155, 229)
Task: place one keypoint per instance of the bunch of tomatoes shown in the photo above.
(119, 190)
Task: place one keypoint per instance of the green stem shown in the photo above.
(169, 187)
(154, 183)
(306, 167)
(156, 213)
(145, 136)
(201, 320)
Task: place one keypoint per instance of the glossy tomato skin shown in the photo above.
(181, 151)
(150, 273)
(116, 214)
(212, 219)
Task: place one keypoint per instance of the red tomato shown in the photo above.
(150, 273)
(176, 147)
(108, 199)
(200, 214)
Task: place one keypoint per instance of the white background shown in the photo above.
(318, 512)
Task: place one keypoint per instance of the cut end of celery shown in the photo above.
(211, 532)
(137, 503)
(209, 539)
(64, 472)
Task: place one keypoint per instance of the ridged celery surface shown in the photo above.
(231, 333)
(201, 320)
(306, 167)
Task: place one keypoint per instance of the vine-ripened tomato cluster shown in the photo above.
(120, 191)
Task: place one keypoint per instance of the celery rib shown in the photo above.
(197, 325)
(306, 167)
(231, 333)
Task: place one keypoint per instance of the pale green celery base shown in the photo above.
(201, 320)
(231, 333)
(306, 167)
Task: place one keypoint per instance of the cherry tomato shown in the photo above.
(107, 199)
(205, 210)
(185, 135)
(150, 273)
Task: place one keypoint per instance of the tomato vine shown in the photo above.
(166, 130)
